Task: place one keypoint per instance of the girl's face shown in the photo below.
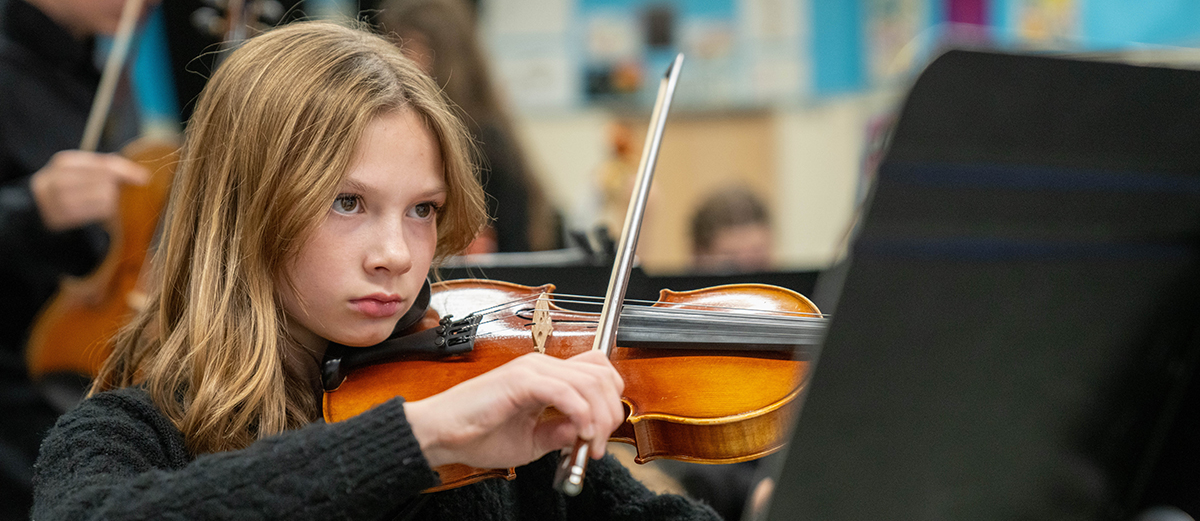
(368, 259)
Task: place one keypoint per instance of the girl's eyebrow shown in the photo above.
(437, 192)
(352, 185)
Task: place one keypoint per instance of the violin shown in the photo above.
(73, 332)
(711, 375)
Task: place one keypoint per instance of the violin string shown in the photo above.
(559, 297)
(717, 315)
(760, 319)
(682, 318)
(758, 333)
(640, 304)
(773, 331)
(588, 300)
(498, 308)
(763, 317)
(765, 328)
(764, 323)
(505, 305)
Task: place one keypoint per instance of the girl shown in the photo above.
(321, 177)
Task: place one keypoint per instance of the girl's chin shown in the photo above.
(363, 341)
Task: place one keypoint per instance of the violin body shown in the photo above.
(73, 333)
(701, 405)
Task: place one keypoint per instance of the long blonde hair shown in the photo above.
(272, 137)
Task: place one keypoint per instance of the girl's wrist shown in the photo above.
(420, 420)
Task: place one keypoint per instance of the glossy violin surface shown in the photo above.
(711, 375)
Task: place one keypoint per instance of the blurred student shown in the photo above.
(440, 35)
(52, 198)
(731, 232)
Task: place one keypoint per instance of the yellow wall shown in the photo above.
(805, 161)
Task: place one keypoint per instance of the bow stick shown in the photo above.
(108, 79)
(569, 477)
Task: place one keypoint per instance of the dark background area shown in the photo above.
(1015, 331)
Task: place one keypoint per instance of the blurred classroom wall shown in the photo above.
(789, 97)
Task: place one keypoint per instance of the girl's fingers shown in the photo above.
(567, 399)
(610, 387)
(498, 418)
(593, 401)
(609, 380)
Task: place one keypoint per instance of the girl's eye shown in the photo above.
(425, 210)
(347, 204)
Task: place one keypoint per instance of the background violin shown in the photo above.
(712, 375)
(73, 333)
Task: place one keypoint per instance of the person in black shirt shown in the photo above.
(52, 198)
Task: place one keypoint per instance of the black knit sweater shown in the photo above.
(117, 457)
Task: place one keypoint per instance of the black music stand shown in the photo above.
(1015, 332)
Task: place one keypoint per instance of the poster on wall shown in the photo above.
(573, 53)
(893, 32)
(532, 51)
(777, 46)
(740, 53)
(1047, 23)
(629, 43)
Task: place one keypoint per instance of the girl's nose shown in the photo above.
(391, 252)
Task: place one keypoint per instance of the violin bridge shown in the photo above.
(542, 325)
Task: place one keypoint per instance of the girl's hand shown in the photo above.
(498, 420)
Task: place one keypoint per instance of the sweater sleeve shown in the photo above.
(116, 457)
(26, 246)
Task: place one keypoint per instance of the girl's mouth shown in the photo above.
(377, 306)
